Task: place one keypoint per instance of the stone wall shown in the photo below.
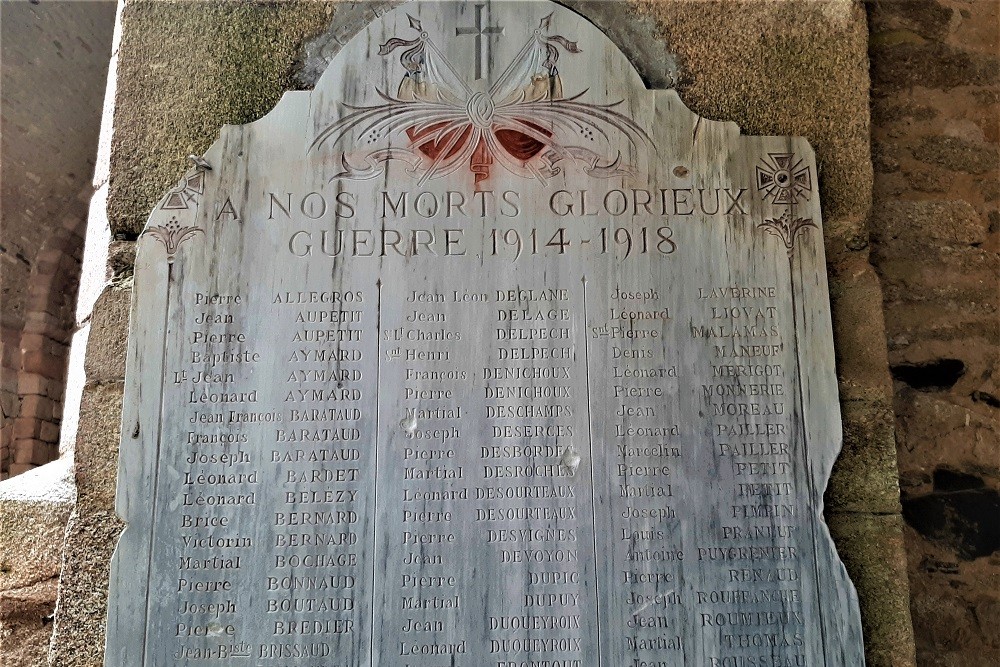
(790, 67)
(53, 68)
(935, 243)
(168, 103)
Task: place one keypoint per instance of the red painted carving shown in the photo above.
(524, 122)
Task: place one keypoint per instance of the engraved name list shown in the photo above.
(478, 354)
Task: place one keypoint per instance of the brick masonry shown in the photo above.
(55, 59)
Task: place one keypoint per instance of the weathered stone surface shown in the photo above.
(170, 114)
(959, 154)
(600, 360)
(91, 534)
(862, 479)
(930, 180)
(121, 260)
(865, 477)
(81, 612)
(97, 445)
(927, 18)
(34, 508)
(26, 624)
(935, 95)
(105, 360)
(887, 616)
(896, 66)
(33, 513)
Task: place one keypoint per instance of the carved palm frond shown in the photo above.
(172, 235)
(787, 229)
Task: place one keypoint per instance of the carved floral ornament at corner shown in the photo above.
(784, 181)
(171, 235)
(787, 229)
(523, 122)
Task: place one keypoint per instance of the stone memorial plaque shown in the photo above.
(482, 354)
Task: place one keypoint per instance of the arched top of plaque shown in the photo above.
(497, 95)
(478, 88)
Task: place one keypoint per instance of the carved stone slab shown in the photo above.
(482, 354)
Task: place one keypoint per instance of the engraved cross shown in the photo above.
(480, 31)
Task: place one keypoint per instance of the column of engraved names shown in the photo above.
(754, 606)
(312, 586)
(429, 501)
(220, 480)
(533, 514)
(632, 336)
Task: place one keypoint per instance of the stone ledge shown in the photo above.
(34, 510)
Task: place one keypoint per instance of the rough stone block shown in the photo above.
(35, 452)
(8, 403)
(896, 66)
(26, 428)
(988, 612)
(37, 406)
(930, 180)
(78, 635)
(959, 154)
(42, 343)
(36, 384)
(859, 330)
(97, 442)
(9, 335)
(9, 377)
(926, 18)
(25, 629)
(871, 547)
(106, 344)
(901, 223)
(49, 432)
(33, 342)
(34, 509)
(46, 365)
(42, 323)
(865, 477)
